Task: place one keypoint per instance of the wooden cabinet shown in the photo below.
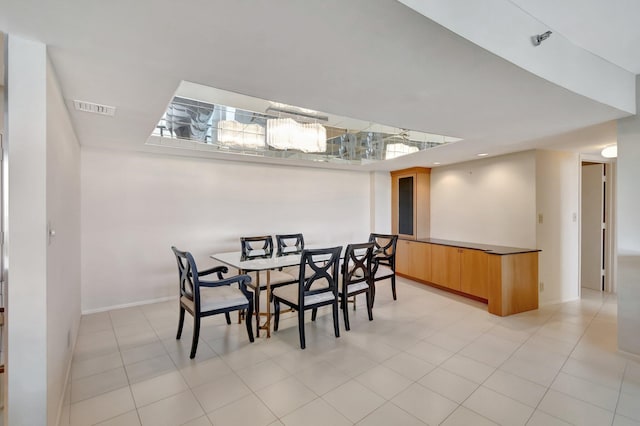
(410, 209)
(445, 266)
(413, 259)
(474, 272)
(507, 281)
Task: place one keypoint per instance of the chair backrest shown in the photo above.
(357, 264)
(385, 249)
(187, 275)
(256, 247)
(289, 244)
(324, 264)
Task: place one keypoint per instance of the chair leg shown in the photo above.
(369, 305)
(196, 335)
(240, 315)
(393, 286)
(345, 312)
(248, 323)
(256, 310)
(276, 314)
(180, 323)
(314, 312)
(226, 315)
(334, 308)
(301, 328)
(354, 302)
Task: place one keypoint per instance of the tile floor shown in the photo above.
(428, 358)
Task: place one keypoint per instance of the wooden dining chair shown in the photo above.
(204, 298)
(356, 278)
(320, 289)
(384, 256)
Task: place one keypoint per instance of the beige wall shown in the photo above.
(135, 206)
(558, 236)
(628, 231)
(63, 251)
(489, 201)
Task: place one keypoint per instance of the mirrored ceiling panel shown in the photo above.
(232, 123)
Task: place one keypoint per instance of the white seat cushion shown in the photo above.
(290, 293)
(353, 288)
(213, 298)
(276, 277)
(294, 271)
(383, 272)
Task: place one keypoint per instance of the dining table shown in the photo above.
(257, 264)
(267, 263)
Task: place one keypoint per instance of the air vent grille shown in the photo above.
(94, 108)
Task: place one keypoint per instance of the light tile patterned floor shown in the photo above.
(428, 358)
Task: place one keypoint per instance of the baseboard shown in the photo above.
(631, 355)
(129, 305)
(67, 380)
(557, 301)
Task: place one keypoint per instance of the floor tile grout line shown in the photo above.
(560, 370)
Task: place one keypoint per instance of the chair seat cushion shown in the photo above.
(214, 298)
(276, 277)
(354, 288)
(383, 272)
(294, 271)
(290, 294)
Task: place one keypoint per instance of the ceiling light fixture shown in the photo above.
(484, 154)
(610, 151)
(436, 163)
(539, 38)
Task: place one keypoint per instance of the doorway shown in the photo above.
(594, 217)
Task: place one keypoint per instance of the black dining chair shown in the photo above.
(356, 278)
(204, 298)
(320, 289)
(384, 256)
(256, 248)
(289, 243)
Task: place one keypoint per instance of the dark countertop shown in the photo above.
(489, 248)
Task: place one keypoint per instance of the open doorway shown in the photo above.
(596, 226)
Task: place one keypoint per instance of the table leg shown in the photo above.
(268, 322)
(256, 302)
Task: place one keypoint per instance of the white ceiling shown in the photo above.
(609, 29)
(376, 61)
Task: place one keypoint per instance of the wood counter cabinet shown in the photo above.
(504, 277)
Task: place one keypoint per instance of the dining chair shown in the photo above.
(205, 298)
(384, 265)
(262, 247)
(356, 278)
(320, 289)
(289, 243)
(256, 248)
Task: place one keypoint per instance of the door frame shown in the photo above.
(610, 221)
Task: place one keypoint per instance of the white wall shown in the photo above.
(628, 231)
(135, 206)
(558, 236)
(489, 201)
(27, 239)
(381, 202)
(63, 252)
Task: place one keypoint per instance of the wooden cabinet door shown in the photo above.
(420, 261)
(445, 266)
(403, 257)
(474, 272)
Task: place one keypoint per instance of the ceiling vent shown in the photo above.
(94, 108)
